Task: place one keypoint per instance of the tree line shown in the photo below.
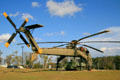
(44, 61)
(40, 61)
(107, 62)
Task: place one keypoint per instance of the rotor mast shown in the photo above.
(32, 41)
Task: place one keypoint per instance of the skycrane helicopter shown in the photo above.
(71, 47)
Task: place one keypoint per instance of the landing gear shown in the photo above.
(58, 60)
(78, 63)
(89, 62)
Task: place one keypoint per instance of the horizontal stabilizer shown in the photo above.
(33, 26)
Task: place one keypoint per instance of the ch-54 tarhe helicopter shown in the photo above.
(71, 47)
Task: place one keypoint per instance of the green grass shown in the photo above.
(59, 75)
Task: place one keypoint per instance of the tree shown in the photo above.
(45, 61)
(0, 56)
(9, 59)
(109, 62)
(16, 60)
(37, 65)
(29, 59)
(117, 62)
(13, 59)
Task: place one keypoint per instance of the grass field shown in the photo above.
(11, 74)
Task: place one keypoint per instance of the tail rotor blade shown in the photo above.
(17, 31)
(26, 20)
(10, 39)
(27, 44)
(8, 18)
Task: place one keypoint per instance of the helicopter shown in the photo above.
(71, 48)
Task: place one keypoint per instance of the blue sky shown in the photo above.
(63, 20)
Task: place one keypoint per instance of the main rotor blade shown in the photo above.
(101, 42)
(60, 45)
(8, 18)
(24, 40)
(93, 48)
(10, 39)
(45, 43)
(51, 42)
(94, 34)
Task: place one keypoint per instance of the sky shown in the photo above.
(63, 20)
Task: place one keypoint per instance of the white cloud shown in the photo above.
(22, 15)
(35, 4)
(114, 34)
(109, 49)
(4, 37)
(38, 39)
(49, 34)
(14, 15)
(103, 48)
(61, 33)
(68, 7)
(86, 34)
(27, 15)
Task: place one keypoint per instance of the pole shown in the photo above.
(22, 54)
